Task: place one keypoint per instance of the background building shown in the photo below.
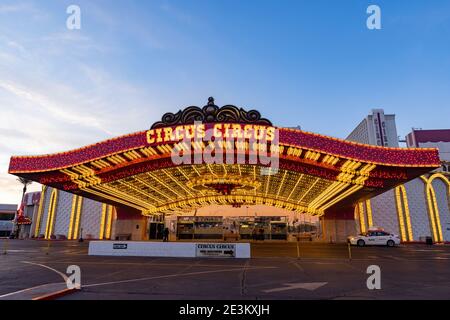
(30, 207)
(7, 215)
(432, 139)
(119, 186)
(376, 129)
(421, 205)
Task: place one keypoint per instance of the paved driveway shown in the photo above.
(323, 272)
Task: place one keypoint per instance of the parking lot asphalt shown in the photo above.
(276, 271)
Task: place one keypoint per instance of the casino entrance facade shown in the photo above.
(213, 172)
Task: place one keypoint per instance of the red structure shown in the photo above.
(315, 174)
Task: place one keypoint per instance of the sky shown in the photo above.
(312, 63)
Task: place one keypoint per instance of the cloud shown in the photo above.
(8, 8)
(58, 111)
(54, 97)
(176, 13)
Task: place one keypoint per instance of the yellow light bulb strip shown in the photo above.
(369, 213)
(229, 199)
(362, 220)
(183, 173)
(281, 184)
(266, 188)
(102, 221)
(98, 165)
(72, 175)
(37, 227)
(341, 197)
(111, 196)
(124, 195)
(72, 216)
(407, 215)
(78, 217)
(401, 221)
(183, 186)
(295, 187)
(436, 213)
(308, 190)
(51, 213)
(330, 192)
(130, 186)
(165, 195)
(109, 222)
(433, 209)
(164, 184)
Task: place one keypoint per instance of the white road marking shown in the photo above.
(293, 286)
(169, 276)
(151, 264)
(394, 258)
(25, 290)
(47, 267)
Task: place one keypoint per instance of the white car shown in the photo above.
(375, 238)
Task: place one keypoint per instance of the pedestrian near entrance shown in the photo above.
(166, 235)
(261, 234)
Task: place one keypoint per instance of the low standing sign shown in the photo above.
(215, 250)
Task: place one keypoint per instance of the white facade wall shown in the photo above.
(89, 220)
(384, 207)
(418, 209)
(391, 130)
(43, 224)
(366, 131)
(440, 188)
(444, 149)
(360, 133)
(385, 215)
(62, 214)
(384, 212)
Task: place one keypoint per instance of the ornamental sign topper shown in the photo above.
(175, 165)
(210, 114)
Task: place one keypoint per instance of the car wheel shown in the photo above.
(361, 243)
(390, 243)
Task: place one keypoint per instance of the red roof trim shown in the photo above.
(315, 142)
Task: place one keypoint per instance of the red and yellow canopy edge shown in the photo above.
(419, 157)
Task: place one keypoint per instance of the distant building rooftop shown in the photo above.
(437, 135)
(8, 208)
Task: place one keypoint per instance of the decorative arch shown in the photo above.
(51, 213)
(433, 209)
(314, 173)
(442, 177)
(77, 221)
(37, 227)
(363, 213)
(362, 219)
(106, 222)
(75, 214)
(404, 217)
(369, 213)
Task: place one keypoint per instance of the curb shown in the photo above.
(56, 295)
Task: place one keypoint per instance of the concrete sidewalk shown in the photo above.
(47, 291)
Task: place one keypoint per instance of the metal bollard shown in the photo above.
(5, 247)
(48, 247)
(349, 251)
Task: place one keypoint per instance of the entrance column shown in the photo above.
(338, 224)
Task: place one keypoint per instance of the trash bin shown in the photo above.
(429, 241)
